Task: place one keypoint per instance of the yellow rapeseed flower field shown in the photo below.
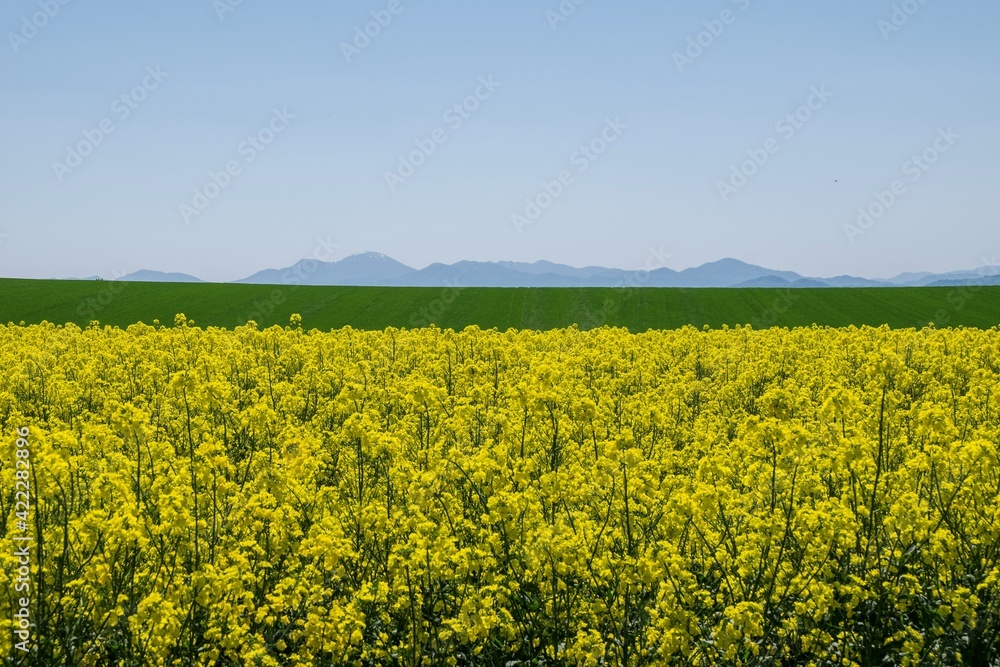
(811, 496)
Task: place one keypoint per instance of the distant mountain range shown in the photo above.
(375, 269)
(145, 276)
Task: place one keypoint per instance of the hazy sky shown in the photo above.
(220, 138)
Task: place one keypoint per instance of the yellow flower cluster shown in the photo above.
(812, 496)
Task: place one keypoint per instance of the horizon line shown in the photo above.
(984, 263)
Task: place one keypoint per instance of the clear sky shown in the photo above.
(116, 115)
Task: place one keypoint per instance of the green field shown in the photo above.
(638, 309)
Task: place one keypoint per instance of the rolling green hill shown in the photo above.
(230, 305)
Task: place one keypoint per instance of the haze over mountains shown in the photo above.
(375, 269)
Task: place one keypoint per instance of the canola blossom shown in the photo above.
(812, 496)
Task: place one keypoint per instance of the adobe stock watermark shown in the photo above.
(90, 307)
(293, 278)
(247, 151)
(714, 28)
(562, 13)
(32, 25)
(787, 127)
(625, 288)
(454, 118)
(913, 170)
(582, 159)
(122, 108)
(431, 313)
(783, 301)
(901, 15)
(22, 538)
(224, 7)
(961, 295)
(365, 35)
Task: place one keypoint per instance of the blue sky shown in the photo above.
(222, 138)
